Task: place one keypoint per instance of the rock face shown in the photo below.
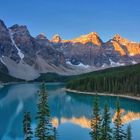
(6, 46)
(130, 48)
(92, 51)
(56, 39)
(25, 57)
(19, 53)
(89, 38)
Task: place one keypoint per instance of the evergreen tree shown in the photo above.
(96, 122)
(55, 133)
(27, 126)
(129, 135)
(114, 80)
(118, 131)
(106, 133)
(44, 127)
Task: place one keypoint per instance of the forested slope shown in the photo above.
(117, 80)
(4, 78)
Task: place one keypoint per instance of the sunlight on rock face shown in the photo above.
(85, 122)
(55, 122)
(130, 116)
(92, 37)
(127, 116)
(82, 121)
(133, 48)
(118, 48)
(56, 38)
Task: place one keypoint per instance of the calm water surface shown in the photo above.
(70, 112)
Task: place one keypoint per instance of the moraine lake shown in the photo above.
(70, 112)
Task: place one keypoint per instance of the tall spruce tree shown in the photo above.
(118, 131)
(106, 131)
(44, 127)
(55, 133)
(27, 126)
(129, 135)
(96, 121)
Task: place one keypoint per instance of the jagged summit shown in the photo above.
(26, 57)
(120, 39)
(21, 30)
(17, 26)
(2, 23)
(92, 37)
(56, 38)
(2, 26)
(117, 36)
(122, 44)
(41, 36)
(93, 33)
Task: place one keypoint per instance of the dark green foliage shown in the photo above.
(27, 126)
(44, 127)
(100, 124)
(124, 80)
(106, 131)
(118, 131)
(55, 133)
(53, 77)
(96, 122)
(4, 78)
(129, 135)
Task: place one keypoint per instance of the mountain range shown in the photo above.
(26, 57)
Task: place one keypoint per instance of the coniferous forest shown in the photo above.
(69, 69)
(120, 80)
(100, 128)
(44, 129)
(101, 124)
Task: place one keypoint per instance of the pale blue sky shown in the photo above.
(71, 18)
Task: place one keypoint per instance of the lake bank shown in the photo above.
(104, 94)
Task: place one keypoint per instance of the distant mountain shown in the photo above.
(26, 57)
(89, 38)
(90, 50)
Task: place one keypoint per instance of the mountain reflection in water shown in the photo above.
(70, 112)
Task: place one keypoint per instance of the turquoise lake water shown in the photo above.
(70, 112)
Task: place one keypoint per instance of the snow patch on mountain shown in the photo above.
(131, 54)
(21, 55)
(114, 64)
(1, 59)
(79, 65)
(134, 62)
(82, 65)
(104, 65)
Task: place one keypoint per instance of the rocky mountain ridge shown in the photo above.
(26, 57)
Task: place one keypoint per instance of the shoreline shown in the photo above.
(104, 94)
(23, 82)
(11, 83)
